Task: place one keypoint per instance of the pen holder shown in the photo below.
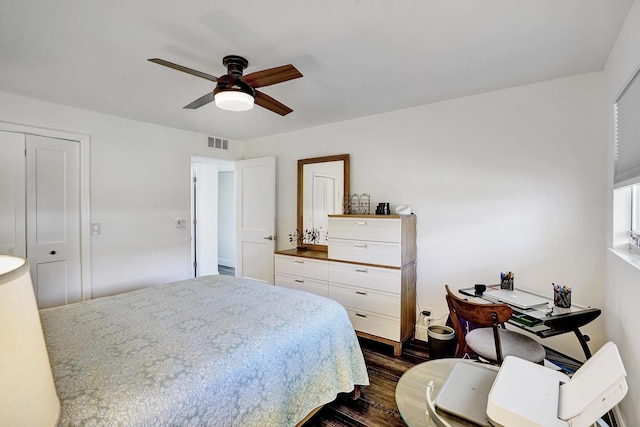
(506, 284)
(562, 299)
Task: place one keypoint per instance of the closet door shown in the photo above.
(12, 194)
(53, 219)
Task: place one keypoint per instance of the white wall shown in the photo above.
(622, 279)
(139, 185)
(508, 180)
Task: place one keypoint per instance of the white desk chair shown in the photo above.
(432, 416)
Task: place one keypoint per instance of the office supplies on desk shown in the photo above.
(479, 288)
(561, 296)
(466, 390)
(516, 298)
(506, 281)
(525, 319)
(551, 398)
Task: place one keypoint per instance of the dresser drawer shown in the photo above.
(364, 228)
(303, 284)
(369, 323)
(376, 278)
(369, 252)
(303, 267)
(366, 299)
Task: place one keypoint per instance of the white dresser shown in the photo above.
(370, 268)
(306, 271)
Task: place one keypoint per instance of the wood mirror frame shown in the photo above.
(345, 174)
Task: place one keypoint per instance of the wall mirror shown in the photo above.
(322, 184)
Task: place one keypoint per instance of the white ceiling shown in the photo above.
(358, 57)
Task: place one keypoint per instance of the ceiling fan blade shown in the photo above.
(272, 76)
(183, 69)
(203, 100)
(269, 103)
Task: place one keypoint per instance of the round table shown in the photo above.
(412, 388)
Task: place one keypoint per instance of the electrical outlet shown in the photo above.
(427, 315)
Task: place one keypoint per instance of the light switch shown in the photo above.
(95, 228)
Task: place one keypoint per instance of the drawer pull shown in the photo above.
(361, 293)
(298, 261)
(361, 222)
(361, 270)
(299, 280)
(360, 245)
(361, 315)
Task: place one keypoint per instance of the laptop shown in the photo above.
(465, 392)
(516, 298)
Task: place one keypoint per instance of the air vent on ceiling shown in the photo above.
(218, 143)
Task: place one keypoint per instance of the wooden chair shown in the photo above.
(489, 338)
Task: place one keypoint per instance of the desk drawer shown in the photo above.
(376, 278)
(369, 252)
(366, 300)
(303, 284)
(373, 324)
(364, 228)
(303, 267)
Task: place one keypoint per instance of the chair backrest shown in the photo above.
(481, 315)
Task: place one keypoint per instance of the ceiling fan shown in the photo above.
(236, 92)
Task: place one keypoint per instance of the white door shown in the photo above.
(12, 194)
(205, 218)
(53, 219)
(256, 222)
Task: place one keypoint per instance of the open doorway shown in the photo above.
(213, 213)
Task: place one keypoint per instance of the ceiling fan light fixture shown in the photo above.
(233, 100)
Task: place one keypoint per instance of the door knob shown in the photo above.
(268, 238)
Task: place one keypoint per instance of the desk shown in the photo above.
(412, 388)
(550, 323)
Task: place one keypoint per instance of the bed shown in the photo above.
(213, 350)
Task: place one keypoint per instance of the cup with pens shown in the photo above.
(506, 281)
(561, 296)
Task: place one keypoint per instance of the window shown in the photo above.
(627, 167)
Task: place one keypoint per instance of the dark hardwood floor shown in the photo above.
(377, 403)
(377, 407)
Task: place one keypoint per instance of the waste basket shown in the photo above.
(441, 341)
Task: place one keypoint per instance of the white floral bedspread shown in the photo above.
(214, 350)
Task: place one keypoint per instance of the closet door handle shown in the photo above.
(52, 252)
(360, 245)
(361, 270)
(361, 315)
(299, 280)
(361, 293)
(299, 261)
(361, 222)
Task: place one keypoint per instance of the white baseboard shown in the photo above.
(421, 333)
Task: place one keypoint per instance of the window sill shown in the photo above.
(630, 257)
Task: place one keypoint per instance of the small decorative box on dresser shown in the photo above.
(372, 273)
(370, 268)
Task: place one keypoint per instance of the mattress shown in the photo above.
(214, 350)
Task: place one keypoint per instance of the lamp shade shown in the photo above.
(233, 100)
(27, 391)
